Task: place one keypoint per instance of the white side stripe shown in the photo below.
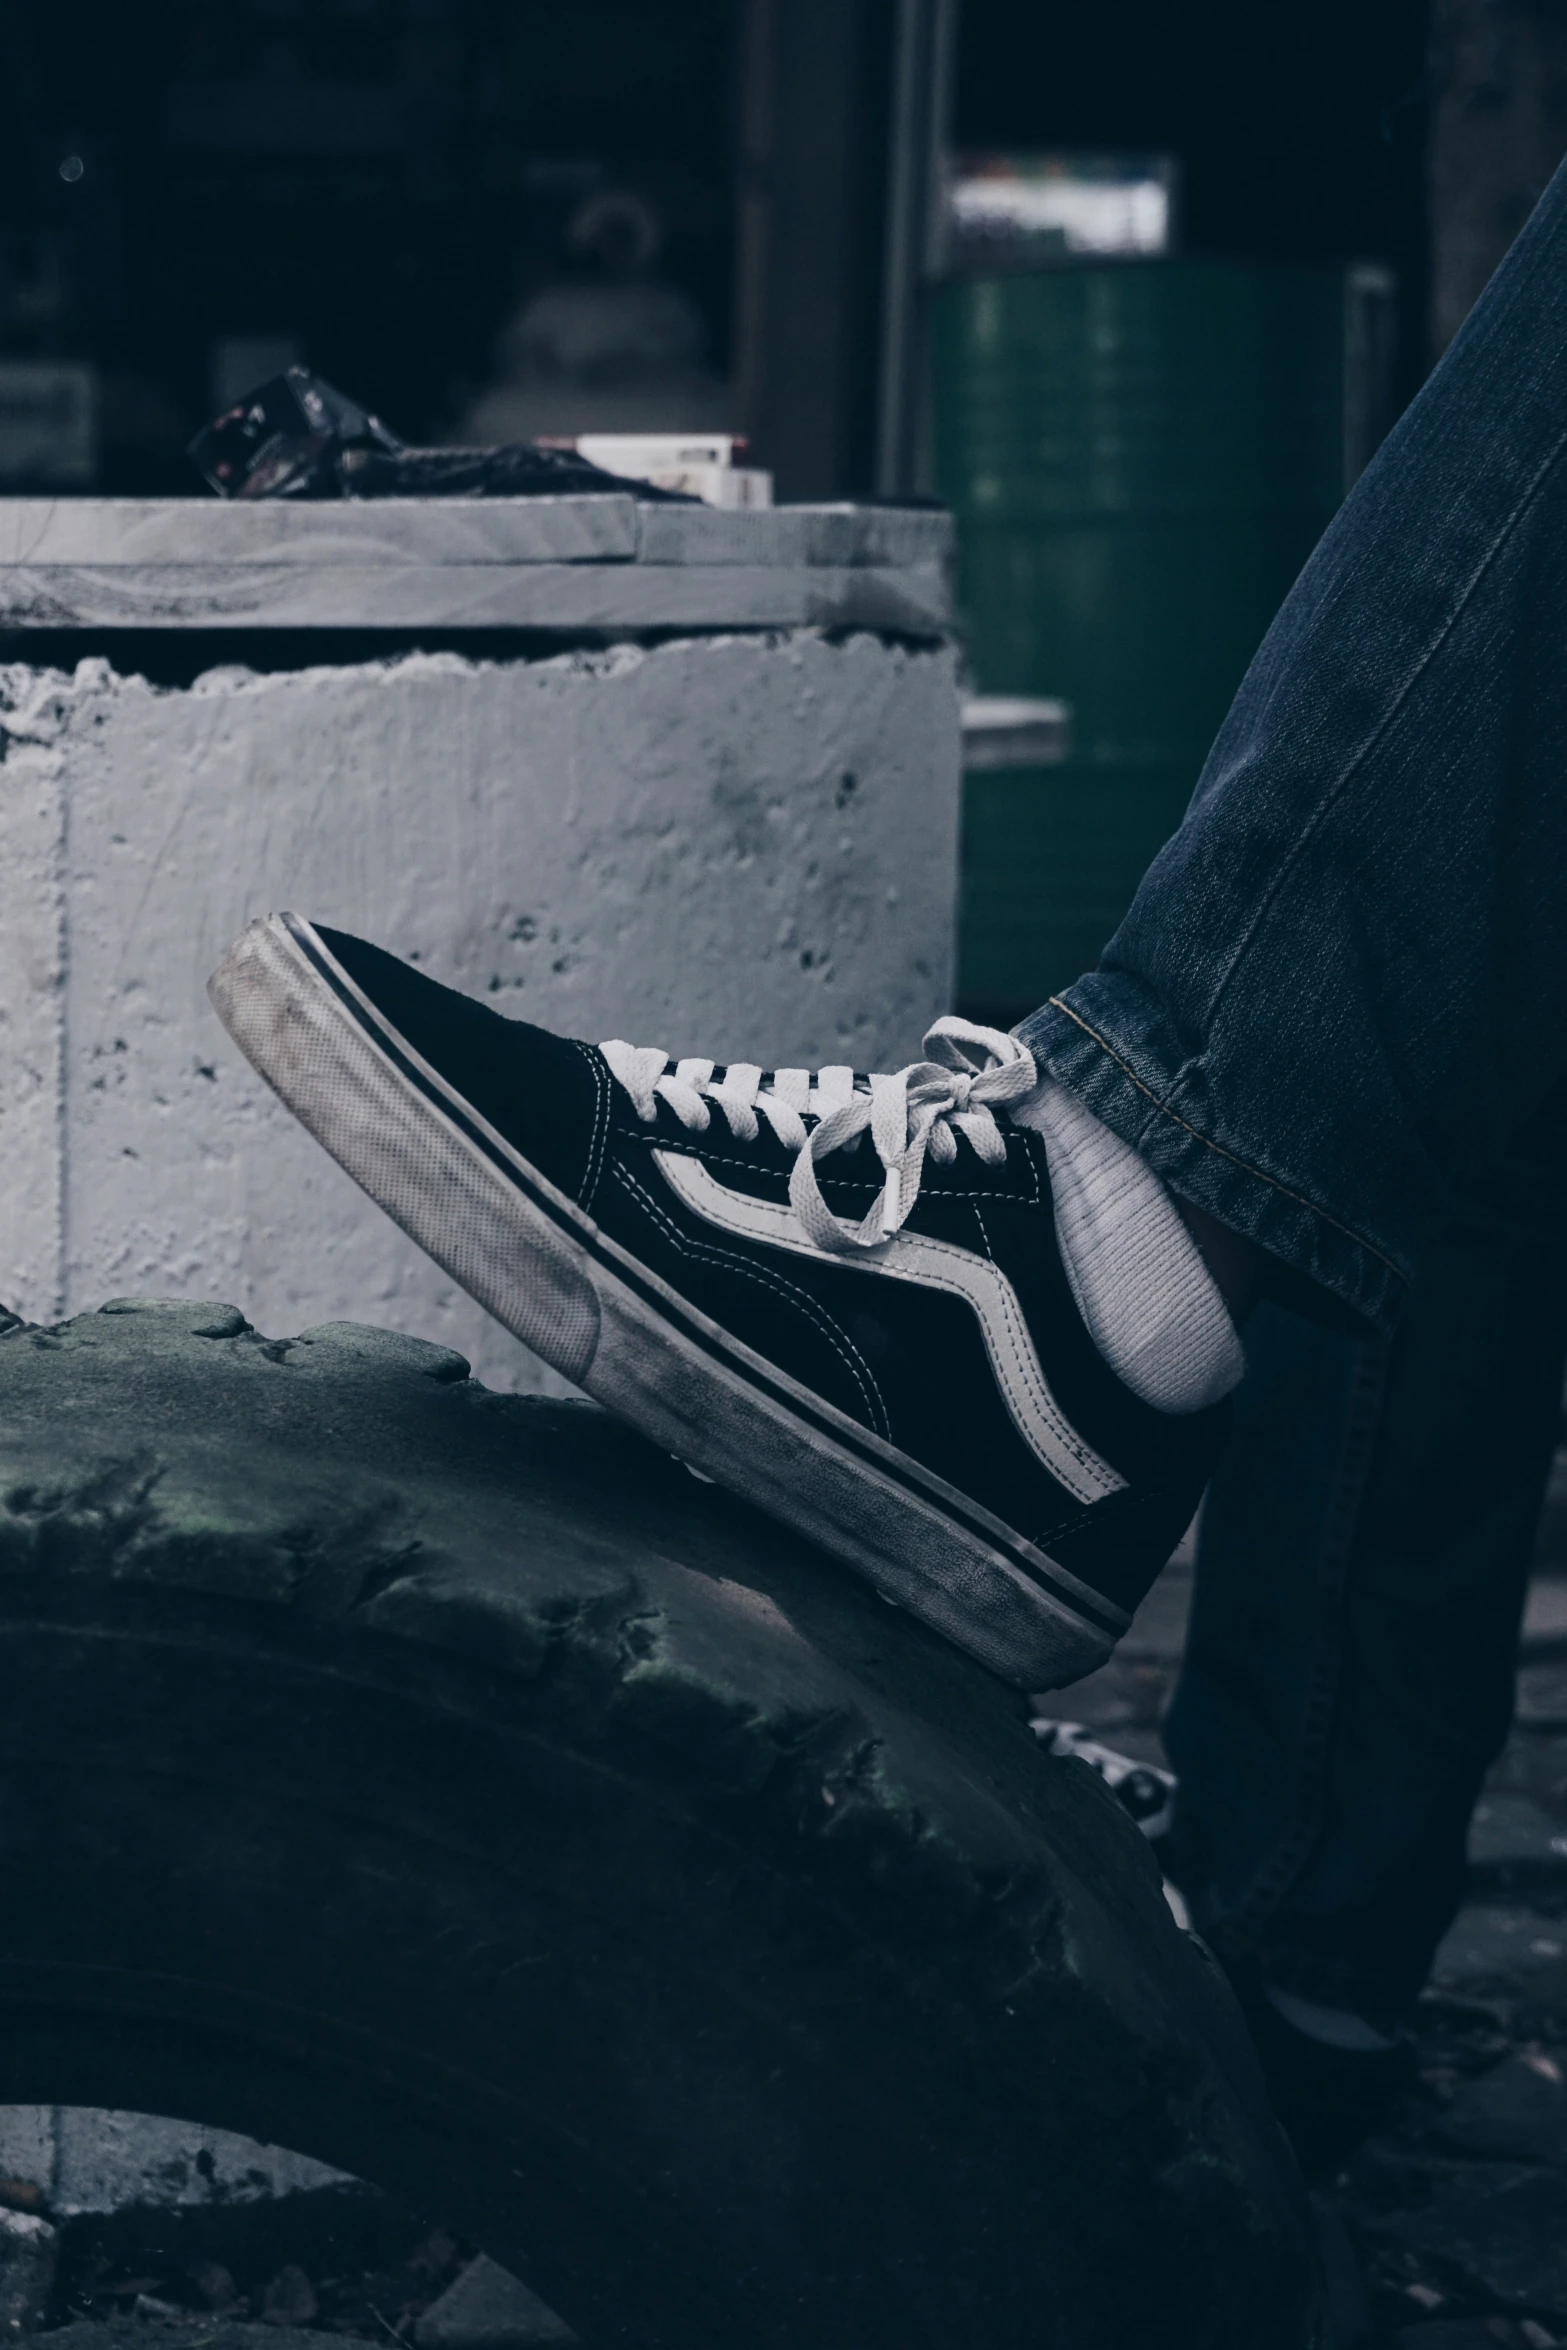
(934, 1264)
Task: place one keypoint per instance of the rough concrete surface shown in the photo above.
(611, 563)
(149, 534)
(87, 2160)
(486, 2308)
(599, 597)
(735, 845)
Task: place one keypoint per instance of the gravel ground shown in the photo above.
(269, 2274)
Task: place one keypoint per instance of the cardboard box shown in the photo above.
(699, 464)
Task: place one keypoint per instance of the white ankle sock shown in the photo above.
(1149, 1301)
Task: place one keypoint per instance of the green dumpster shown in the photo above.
(1140, 456)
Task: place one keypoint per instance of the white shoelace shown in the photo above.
(971, 1073)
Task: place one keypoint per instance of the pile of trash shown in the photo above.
(295, 436)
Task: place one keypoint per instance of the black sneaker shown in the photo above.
(1328, 2100)
(872, 1339)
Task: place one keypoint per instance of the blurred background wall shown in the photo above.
(396, 189)
(1135, 289)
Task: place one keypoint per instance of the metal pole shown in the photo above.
(921, 111)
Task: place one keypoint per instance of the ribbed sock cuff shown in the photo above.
(1150, 1303)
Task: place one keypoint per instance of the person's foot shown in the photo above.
(842, 1298)
(1333, 2080)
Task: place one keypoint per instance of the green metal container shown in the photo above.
(1140, 456)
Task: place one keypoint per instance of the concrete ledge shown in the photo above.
(568, 563)
(612, 597)
(140, 532)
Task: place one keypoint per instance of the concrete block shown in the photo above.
(607, 598)
(33, 716)
(607, 564)
(840, 536)
(90, 2161)
(150, 533)
(109, 2161)
(487, 2308)
(146, 533)
(739, 845)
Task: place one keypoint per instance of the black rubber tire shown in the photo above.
(449, 1787)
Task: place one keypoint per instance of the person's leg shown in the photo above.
(1344, 979)
(1348, 1678)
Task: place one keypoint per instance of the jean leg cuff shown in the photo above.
(1134, 1101)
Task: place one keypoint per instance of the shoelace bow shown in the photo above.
(971, 1073)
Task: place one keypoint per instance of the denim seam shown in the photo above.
(1279, 1872)
(1218, 1148)
(1335, 790)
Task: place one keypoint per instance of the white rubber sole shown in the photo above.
(538, 1264)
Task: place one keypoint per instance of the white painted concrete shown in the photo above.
(588, 564)
(87, 2160)
(604, 598)
(744, 845)
(157, 533)
(32, 970)
(146, 534)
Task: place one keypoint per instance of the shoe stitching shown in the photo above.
(1123, 1504)
(853, 1362)
(1021, 1396)
(650, 1138)
(1017, 1323)
(770, 1278)
(1077, 1525)
(758, 1273)
(601, 1116)
(841, 1183)
(984, 1236)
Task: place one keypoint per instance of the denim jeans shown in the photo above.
(1342, 986)
(1361, 1569)
(1336, 1017)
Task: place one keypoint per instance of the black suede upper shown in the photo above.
(542, 1092)
(903, 1360)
